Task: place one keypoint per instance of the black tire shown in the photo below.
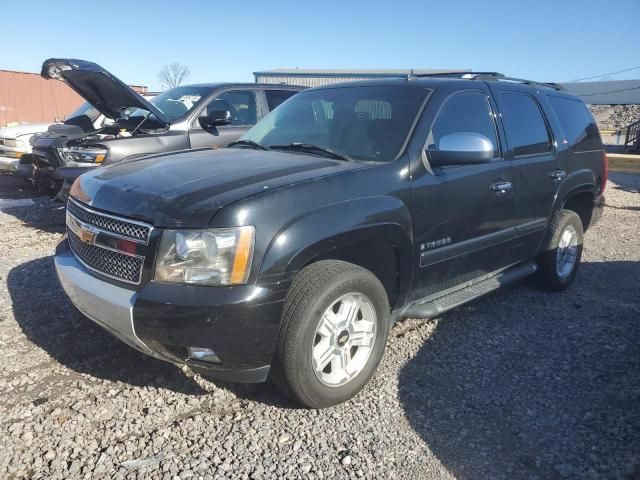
(548, 275)
(314, 289)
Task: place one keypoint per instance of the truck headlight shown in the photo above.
(15, 143)
(79, 156)
(219, 256)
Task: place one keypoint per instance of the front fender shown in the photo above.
(362, 221)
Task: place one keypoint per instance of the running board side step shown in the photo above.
(448, 301)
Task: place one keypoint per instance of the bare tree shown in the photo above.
(173, 74)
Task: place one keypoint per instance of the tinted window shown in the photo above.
(577, 122)
(276, 97)
(241, 104)
(363, 123)
(526, 129)
(464, 112)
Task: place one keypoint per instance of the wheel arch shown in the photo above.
(373, 232)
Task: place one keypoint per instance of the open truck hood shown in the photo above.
(98, 87)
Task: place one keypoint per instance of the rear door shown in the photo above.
(539, 163)
(244, 107)
(463, 223)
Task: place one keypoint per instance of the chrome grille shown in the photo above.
(105, 261)
(126, 228)
(103, 242)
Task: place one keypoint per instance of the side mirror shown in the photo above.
(216, 118)
(462, 148)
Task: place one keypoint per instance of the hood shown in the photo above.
(97, 86)
(187, 189)
(23, 129)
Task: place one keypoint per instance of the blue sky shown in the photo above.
(556, 40)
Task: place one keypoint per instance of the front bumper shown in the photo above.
(9, 164)
(240, 324)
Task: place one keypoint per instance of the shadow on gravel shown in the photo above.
(47, 216)
(532, 384)
(51, 322)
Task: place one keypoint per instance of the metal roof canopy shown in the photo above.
(610, 92)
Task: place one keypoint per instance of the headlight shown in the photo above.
(78, 155)
(15, 144)
(205, 257)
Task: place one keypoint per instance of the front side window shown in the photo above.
(240, 103)
(526, 130)
(577, 123)
(466, 113)
(368, 123)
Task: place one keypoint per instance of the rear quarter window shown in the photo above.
(577, 123)
(276, 97)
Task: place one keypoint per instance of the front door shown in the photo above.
(462, 214)
(243, 106)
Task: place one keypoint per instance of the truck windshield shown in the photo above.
(176, 102)
(369, 123)
(85, 109)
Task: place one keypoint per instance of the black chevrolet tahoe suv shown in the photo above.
(288, 255)
(188, 116)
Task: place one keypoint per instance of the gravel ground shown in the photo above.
(520, 384)
(614, 117)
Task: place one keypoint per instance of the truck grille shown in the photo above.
(94, 235)
(127, 228)
(108, 262)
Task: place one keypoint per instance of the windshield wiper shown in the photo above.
(307, 147)
(249, 143)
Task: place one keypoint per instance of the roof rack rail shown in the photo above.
(485, 77)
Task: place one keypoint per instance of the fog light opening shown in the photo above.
(203, 355)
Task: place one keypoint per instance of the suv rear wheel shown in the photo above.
(561, 256)
(334, 331)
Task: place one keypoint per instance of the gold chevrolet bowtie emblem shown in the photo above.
(84, 232)
(87, 236)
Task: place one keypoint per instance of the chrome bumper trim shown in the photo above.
(8, 164)
(107, 305)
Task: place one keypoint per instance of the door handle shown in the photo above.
(557, 175)
(501, 188)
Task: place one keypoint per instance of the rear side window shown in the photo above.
(464, 112)
(276, 97)
(577, 122)
(527, 132)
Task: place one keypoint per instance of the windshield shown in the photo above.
(360, 122)
(176, 102)
(85, 109)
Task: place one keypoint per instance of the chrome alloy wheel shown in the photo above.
(567, 252)
(344, 339)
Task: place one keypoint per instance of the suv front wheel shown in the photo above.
(334, 330)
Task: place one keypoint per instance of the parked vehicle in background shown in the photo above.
(290, 253)
(15, 140)
(14, 143)
(185, 117)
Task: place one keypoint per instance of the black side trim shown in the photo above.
(467, 246)
(531, 227)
